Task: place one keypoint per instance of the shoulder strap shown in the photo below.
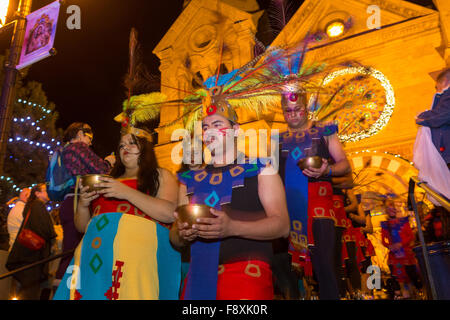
(26, 218)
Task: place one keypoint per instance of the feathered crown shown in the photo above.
(139, 108)
(256, 87)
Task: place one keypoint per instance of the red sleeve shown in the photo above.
(407, 235)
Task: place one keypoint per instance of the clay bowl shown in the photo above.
(190, 212)
(310, 162)
(91, 179)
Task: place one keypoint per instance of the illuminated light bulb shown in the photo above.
(335, 29)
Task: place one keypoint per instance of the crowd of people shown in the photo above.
(289, 233)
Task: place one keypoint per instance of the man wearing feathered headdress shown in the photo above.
(308, 188)
(248, 208)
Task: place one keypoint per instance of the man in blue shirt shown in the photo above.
(438, 118)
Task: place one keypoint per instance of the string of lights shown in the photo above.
(51, 205)
(11, 182)
(31, 104)
(47, 146)
(44, 145)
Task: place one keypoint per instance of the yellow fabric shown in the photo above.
(136, 244)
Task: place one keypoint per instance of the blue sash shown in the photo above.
(296, 147)
(213, 188)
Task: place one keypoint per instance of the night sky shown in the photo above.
(84, 79)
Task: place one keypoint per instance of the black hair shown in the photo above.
(36, 188)
(148, 175)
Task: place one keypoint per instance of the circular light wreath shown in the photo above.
(387, 110)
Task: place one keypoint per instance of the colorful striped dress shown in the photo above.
(124, 255)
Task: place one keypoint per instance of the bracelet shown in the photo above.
(329, 172)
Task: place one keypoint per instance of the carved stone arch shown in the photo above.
(381, 172)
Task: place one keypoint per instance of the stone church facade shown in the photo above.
(407, 49)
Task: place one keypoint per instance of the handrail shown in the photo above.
(34, 264)
(436, 195)
(412, 183)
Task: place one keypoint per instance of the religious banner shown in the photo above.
(39, 35)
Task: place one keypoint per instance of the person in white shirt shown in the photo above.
(15, 216)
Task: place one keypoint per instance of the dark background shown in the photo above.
(84, 79)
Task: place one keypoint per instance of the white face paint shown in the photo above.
(217, 130)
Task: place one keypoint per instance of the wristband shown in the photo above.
(329, 172)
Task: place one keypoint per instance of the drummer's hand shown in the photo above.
(86, 197)
(317, 173)
(186, 233)
(113, 188)
(214, 228)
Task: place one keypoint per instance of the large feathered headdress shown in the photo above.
(256, 87)
(142, 108)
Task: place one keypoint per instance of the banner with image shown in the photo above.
(39, 35)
